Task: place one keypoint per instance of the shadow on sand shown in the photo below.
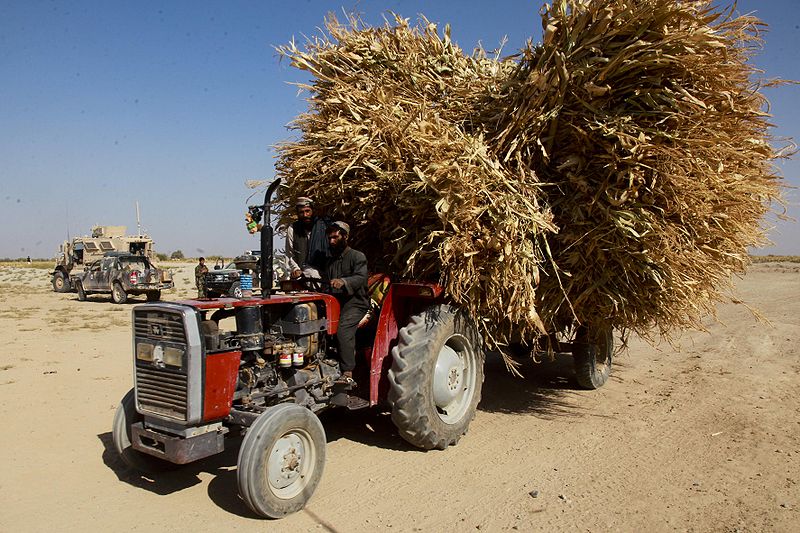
(547, 390)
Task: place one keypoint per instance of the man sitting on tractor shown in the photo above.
(306, 245)
(346, 270)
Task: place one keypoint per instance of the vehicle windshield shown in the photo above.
(134, 263)
(230, 266)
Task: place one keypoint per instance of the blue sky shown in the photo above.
(176, 104)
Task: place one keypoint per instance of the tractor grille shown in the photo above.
(159, 326)
(163, 391)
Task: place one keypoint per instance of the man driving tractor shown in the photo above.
(346, 270)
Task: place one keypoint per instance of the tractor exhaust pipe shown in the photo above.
(266, 240)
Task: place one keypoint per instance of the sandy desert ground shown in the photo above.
(702, 439)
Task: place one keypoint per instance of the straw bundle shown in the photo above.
(390, 145)
(657, 144)
(613, 175)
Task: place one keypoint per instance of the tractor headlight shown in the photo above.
(159, 354)
(144, 351)
(173, 356)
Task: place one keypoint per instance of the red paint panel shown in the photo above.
(384, 337)
(222, 371)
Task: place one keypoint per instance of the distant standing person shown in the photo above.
(306, 243)
(29, 260)
(346, 270)
(200, 277)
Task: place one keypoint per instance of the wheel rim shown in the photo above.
(117, 293)
(454, 379)
(237, 292)
(290, 464)
(59, 282)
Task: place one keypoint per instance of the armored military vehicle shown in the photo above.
(81, 251)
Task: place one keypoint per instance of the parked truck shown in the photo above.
(121, 274)
(81, 251)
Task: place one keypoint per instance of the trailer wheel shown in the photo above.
(281, 460)
(153, 296)
(436, 377)
(118, 294)
(60, 283)
(592, 353)
(81, 292)
(121, 434)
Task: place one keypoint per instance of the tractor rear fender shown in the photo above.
(400, 302)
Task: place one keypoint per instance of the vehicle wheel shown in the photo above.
(118, 294)
(436, 377)
(592, 353)
(121, 434)
(235, 291)
(81, 292)
(153, 296)
(60, 283)
(281, 460)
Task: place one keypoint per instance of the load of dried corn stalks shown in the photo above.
(614, 174)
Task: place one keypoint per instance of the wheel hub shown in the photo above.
(286, 461)
(448, 378)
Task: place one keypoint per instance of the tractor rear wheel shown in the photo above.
(281, 460)
(121, 434)
(592, 353)
(436, 377)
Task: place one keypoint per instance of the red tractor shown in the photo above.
(266, 365)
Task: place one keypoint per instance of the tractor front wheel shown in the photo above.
(436, 377)
(121, 434)
(281, 460)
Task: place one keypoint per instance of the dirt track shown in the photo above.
(705, 439)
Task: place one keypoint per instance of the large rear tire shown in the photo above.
(121, 434)
(592, 353)
(281, 460)
(436, 377)
(118, 294)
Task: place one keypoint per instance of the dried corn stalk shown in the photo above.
(614, 174)
(391, 145)
(646, 116)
